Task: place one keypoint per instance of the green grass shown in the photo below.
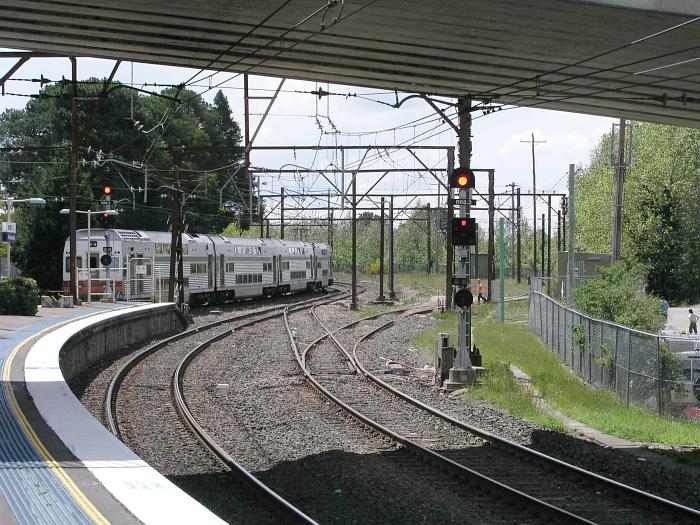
(600, 409)
(498, 386)
(513, 343)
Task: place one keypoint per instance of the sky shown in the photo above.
(358, 116)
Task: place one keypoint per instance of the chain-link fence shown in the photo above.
(659, 373)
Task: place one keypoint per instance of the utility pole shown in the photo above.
(246, 121)
(491, 249)
(73, 216)
(620, 170)
(428, 224)
(281, 213)
(330, 220)
(381, 297)
(512, 229)
(448, 234)
(532, 142)
(353, 302)
(174, 228)
(392, 293)
(572, 234)
(436, 257)
(563, 224)
(519, 253)
(542, 245)
(558, 232)
(549, 244)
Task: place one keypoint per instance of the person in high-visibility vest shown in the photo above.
(481, 290)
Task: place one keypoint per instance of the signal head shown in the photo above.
(463, 231)
(462, 178)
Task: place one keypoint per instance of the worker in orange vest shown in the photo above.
(481, 290)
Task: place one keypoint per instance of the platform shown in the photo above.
(59, 464)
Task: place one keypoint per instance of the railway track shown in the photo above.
(280, 507)
(539, 485)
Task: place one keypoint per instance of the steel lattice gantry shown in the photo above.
(449, 47)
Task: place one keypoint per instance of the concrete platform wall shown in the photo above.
(109, 336)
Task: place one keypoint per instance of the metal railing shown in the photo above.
(643, 369)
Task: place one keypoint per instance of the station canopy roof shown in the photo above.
(619, 58)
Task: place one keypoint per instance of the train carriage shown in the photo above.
(215, 268)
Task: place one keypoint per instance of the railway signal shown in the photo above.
(464, 298)
(462, 178)
(463, 231)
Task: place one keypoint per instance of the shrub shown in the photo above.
(373, 267)
(19, 296)
(619, 296)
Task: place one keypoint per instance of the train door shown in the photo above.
(139, 271)
(141, 274)
(313, 267)
(279, 269)
(222, 270)
(211, 270)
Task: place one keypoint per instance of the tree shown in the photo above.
(161, 123)
(661, 207)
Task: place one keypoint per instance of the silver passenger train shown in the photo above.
(215, 268)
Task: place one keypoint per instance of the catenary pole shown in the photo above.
(619, 193)
(572, 233)
(72, 204)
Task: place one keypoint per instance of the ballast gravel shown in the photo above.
(248, 393)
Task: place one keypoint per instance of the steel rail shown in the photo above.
(506, 443)
(291, 513)
(118, 378)
(554, 513)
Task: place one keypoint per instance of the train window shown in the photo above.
(285, 265)
(79, 263)
(297, 275)
(267, 267)
(308, 264)
(93, 261)
(318, 264)
(324, 273)
(198, 268)
(230, 267)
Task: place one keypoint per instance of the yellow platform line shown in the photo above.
(77, 494)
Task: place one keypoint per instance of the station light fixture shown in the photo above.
(462, 178)
(463, 231)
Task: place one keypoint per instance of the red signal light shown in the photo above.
(105, 216)
(463, 222)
